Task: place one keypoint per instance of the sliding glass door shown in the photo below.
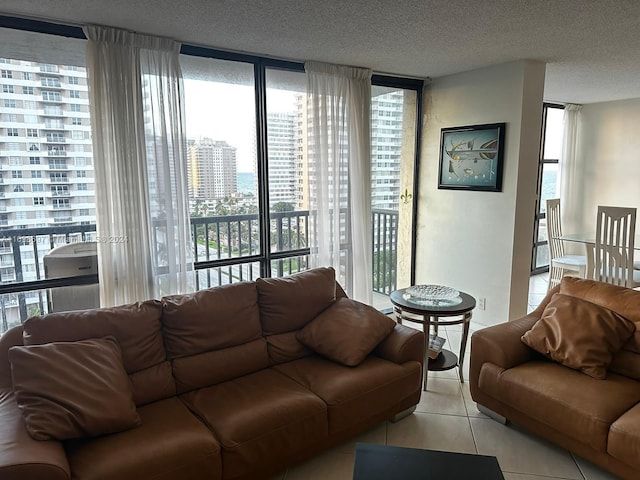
(221, 169)
(394, 114)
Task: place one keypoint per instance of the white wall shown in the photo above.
(609, 152)
(480, 242)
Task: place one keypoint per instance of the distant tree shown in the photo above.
(197, 208)
(221, 209)
(283, 207)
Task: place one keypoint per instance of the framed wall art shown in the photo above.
(471, 157)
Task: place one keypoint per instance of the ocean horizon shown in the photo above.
(246, 182)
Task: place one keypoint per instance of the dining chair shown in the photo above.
(560, 264)
(615, 231)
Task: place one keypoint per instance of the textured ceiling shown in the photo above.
(591, 47)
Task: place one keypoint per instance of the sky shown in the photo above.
(226, 111)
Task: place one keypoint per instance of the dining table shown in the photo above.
(589, 238)
(589, 241)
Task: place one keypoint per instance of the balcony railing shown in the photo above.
(231, 239)
(27, 246)
(385, 250)
(227, 248)
(57, 152)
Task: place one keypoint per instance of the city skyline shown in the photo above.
(287, 150)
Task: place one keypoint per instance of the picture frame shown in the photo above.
(472, 157)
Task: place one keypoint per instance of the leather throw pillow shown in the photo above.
(579, 334)
(346, 332)
(71, 390)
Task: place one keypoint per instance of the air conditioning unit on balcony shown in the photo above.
(72, 260)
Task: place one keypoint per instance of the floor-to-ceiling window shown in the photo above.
(221, 169)
(550, 153)
(248, 167)
(263, 204)
(394, 116)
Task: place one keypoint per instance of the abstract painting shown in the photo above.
(471, 157)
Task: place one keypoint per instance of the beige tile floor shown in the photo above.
(447, 419)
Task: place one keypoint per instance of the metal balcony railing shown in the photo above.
(57, 152)
(385, 250)
(226, 248)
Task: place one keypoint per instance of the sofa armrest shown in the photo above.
(501, 344)
(22, 457)
(402, 345)
(10, 338)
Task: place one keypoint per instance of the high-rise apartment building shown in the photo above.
(212, 169)
(46, 161)
(282, 154)
(46, 167)
(387, 112)
(386, 149)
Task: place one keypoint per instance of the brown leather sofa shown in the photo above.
(597, 419)
(222, 386)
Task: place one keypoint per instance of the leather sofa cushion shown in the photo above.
(624, 438)
(579, 334)
(170, 444)
(289, 303)
(346, 332)
(623, 301)
(211, 319)
(285, 347)
(626, 363)
(220, 328)
(72, 389)
(137, 329)
(562, 398)
(354, 394)
(217, 366)
(260, 419)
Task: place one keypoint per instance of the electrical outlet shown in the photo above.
(482, 303)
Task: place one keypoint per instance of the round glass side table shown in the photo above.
(433, 310)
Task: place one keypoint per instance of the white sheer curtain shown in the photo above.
(339, 149)
(136, 97)
(569, 182)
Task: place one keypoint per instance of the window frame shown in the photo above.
(260, 64)
(542, 161)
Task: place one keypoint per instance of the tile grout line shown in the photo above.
(473, 436)
(537, 476)
(573, 457)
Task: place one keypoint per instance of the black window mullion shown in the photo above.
(260, 79)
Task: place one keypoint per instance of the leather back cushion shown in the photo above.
(211, 319)
(579, 334)
(214, 335)
(285, 347)
(137, 329)
(289, 303)
(623, 301)
(72, 389)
